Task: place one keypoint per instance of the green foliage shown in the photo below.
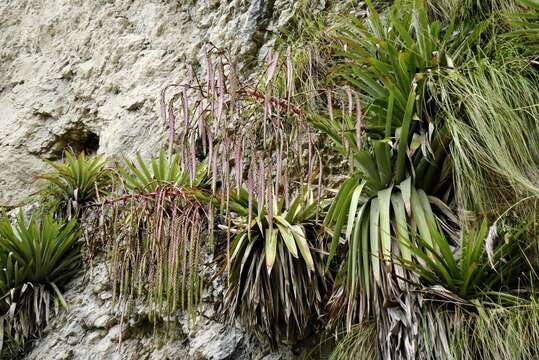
(280, 300)
(399, 202)
(497, 332)
(390, 61)
(470, 12)
(525, 28)
(532, 4)
(149, 175)
(75, 183)
(477, 268)
(434, 104)
(401, 185)
(46, 248)
(380, 226)
(358, 343)
(492, 114)
(39, 257)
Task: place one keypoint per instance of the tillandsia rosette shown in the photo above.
(276, 282)
(38, 256)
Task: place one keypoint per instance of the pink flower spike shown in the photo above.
(185, 109)
(250, 190)
(289, 75)
(359, 116)
(202, 126)
(261, 185)
(237, 164)
(210, 78)
(350, 101)
(222, 90)
(214, 172)
(269, 191)
(330, 105)
(273, 59)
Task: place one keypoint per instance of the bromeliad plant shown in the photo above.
(75, 183)
(38, 258)
(479, 268)
(401, 166)
(156, 232)
(142, 176)
(397, 145)
(379, 219)
(276, 283)
(402, 193)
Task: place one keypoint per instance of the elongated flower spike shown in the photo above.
(209, 134)
(234, 86)
(171, 128)
(330, 104)
(242, 160)
(190, 74)
(201, 120)
(279, 165)
(289, 76)
(261, 178)
(269, 201)
(214, 172)
(210, 98)
(267, 113)
(237, 163)
(359, 118)
(192, 157)
(210, 78)
(344, 140)
(185, 109)
(350, 101)
(250, 191)
(170, 120)
(163, 105)
(225, 169)
(222, 91)
(183, 149)
(272, 60)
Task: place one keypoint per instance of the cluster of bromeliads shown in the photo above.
(427, 250)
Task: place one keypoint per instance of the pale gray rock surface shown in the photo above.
(93, 328)
(89, 73)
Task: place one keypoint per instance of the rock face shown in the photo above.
(93, 328)
(88, 73)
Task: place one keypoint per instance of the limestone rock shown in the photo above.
(92, 328)
(88, 74)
